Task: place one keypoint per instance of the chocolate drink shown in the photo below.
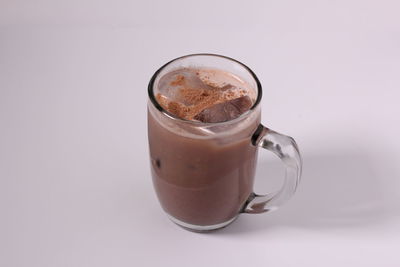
(202, 159)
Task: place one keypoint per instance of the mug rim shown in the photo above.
(173, 117)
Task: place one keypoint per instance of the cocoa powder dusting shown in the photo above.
(195, 99)
(180, 80)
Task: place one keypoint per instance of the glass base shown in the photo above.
(201, 228)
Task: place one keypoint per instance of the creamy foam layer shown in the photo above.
(199, 94)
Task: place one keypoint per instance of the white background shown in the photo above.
(75, 185)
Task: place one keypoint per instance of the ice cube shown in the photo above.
(186, 78)
(225, 111)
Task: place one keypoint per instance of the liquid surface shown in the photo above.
(206, 95)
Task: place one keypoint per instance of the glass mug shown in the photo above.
(203, 173)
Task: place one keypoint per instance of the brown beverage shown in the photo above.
(202, 159)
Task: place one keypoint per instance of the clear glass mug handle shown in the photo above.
(286, 149)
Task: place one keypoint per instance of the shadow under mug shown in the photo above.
(203, 173)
